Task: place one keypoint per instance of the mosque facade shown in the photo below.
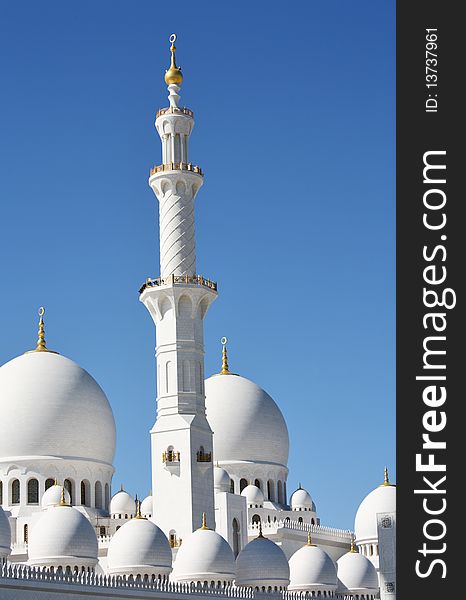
(220, 521)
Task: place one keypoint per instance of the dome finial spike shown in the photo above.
(225, 370)
(63, 501)
(138, 509)
(204, 521)
(260, 529)
(386, 480)
(353, 545)
(309, 541)
(41, 333)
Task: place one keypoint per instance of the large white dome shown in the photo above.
(62, 537)
(5, 535)
(312, 569)
(356, 574)
(380, 500)
(247, 424)
(57, 406)
(122, 503)
(262, 564)
(204, 556)
(139, 547)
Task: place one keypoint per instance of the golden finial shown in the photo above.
(204, 521)
(309, 541)
(41, 347)
(353, 545)
(138, 509)
(386, 481)
(62, 498)
(173, 74)
(225, 370)
(55, 481)
(260, 529)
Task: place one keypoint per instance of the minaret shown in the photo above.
(181, 439)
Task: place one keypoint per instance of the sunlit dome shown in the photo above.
(254, 496)
(147, 506)
(62, 537)
(356, 574)
(301, 500)
(139, 547)
(247, 423)
(53, 495)
(312, 569)
(60, 410)
(221, 480)
(204, 556)
(262, 564)
(380, 500)
(122, 504)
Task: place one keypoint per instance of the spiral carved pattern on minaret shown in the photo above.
(177, 240)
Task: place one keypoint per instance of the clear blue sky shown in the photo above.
(295, 108)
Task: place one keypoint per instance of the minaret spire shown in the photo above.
(225, 370)
(40, 346)
(178, 301)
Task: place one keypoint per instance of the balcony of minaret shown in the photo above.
(173, 280)
(203, 457)
(174, 110)
(176, 166)
(171, 460)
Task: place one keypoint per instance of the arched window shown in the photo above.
(280, 492)
(257, 483)
(69, 488)
(1, 492)
(15, 492)
(85, 495)
(284, 493)
(98, 494)
(33, 491)
(300, 520)
(242, 484)
(232, 486)
(371, 550)
(313, 521)
(25, 534)
(107, 496)
(48, 483)
(256, 520)
(270, 490)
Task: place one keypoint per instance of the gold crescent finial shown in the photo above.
(225, 370)
(309, 541)
(353, 545)
(173, 74)
(62, 497)
(40, 346)
(138, 509)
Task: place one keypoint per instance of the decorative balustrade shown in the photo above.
(170, 456)
(296, 525)
(12, 575)
(174, 110)
(204, 457)
(176, 166)
(179, 280)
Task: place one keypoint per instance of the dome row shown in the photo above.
(64, 537)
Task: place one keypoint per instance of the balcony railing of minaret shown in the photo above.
(176, 166)
(179, 280)
(170, 456)
(204, 457)
(174, 110)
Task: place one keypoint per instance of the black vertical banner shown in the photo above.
(431, 360)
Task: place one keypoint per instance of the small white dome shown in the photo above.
(221, 480)
(253, 495)
(204, 556)
(139, 547)
(312, 569)
(247, 423)
(262, 564)
(380, 500)
(356, 574)
(5, 535)
(301, 499)
(147, 506)
(122, 504)
(59, 408)
(52, 496)
(63, 536)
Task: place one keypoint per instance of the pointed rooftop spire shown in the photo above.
(225, 370)
(41, 347)
(138, 509)
(63, 501)
(204, 521)
(260, 529)
(173, 75)
(353, 545)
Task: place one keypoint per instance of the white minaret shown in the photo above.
(181, 439)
